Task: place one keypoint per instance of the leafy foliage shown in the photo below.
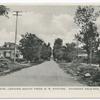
(33, 48)
(57, 49)
(64, 53)
(30, 46)
(4, 10)
(85, 17)
(71, 51)
(46, 51)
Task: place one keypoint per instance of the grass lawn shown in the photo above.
(16, 66)
(12, 67)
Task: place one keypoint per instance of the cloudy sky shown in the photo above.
(47, 22)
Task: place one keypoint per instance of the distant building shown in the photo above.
(7, 51)
(82, 53)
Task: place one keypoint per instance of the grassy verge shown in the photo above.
(84, 73)
(12, 67)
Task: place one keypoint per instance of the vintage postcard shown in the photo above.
(49, 51)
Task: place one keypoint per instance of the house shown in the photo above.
(8, 49)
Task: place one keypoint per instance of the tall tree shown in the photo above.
(46, 51)
(85, 18)
(57, 52)
(58, 43)
(30, 46)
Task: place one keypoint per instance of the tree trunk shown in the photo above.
(88, 57)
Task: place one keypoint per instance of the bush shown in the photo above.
(83, 72)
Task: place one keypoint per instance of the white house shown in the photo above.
(7, 51)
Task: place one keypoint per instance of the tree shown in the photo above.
(70, 53)
(46, 51)
(64, 53)
(4, 10)
(57, 52)
(30, 46)
(58, 43)
(85, 18)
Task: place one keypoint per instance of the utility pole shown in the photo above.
(16, 14)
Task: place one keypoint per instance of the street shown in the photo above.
(45, 74)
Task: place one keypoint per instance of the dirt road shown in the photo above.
(45, 74)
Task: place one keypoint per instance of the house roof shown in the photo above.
(8, 46)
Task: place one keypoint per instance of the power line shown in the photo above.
(17, 13)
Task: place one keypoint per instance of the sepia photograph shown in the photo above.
(49, 45)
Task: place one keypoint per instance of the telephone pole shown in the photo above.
(16, 14)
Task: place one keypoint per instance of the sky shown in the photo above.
(46, 22)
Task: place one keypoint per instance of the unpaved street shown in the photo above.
(45, 74)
